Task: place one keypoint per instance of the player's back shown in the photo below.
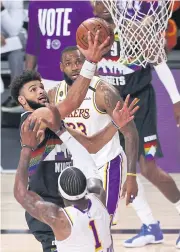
(90, 229)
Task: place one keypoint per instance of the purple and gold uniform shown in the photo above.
(90, 228)
(111, 159)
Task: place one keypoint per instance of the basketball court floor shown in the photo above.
(15, 237)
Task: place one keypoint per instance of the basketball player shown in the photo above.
(51, 157)
(31, 141)
(94, 113)
(136, 80)
(84, 223)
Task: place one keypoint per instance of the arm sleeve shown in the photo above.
(12, 19)
(32, 46)
(81, 157)
(167, 79)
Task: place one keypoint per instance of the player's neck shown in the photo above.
(82, 204)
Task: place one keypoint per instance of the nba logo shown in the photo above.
(48, 44)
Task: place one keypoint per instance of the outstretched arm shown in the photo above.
(95, 142)
(123, 115)
(78, 91)
(32, 202)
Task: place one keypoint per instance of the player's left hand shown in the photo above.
(30, 133)
(129, 189)
(177, 113)
(122, 116)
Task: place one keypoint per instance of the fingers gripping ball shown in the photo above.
(93, 25)
(45, 114)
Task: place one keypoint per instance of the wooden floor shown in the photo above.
(12, 218)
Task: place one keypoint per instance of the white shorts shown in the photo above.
(112, 175)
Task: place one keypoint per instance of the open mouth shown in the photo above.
(106, 13)
(74, 76)
(42, 99)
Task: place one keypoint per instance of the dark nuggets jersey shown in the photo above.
(46, 163)
(127, 78)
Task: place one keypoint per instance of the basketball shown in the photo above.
(93, 25)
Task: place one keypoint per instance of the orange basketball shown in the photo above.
(171, 34)
(92, 25)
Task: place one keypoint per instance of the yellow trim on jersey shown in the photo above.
(57, 93)
(59, 90)
(68, 215)
(94, 99)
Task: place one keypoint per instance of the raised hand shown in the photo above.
(123, 116)
(95, 52)
(30, 133)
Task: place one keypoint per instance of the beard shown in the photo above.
(35, 105)
(68, 80)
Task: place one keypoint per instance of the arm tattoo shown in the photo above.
(111, 97)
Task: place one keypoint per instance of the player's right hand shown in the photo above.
(95, 52)
(30, 132)
(129, 189)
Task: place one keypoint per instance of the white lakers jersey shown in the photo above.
(90, 229)
(89, 120)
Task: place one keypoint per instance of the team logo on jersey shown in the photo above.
(56, 44)
(48, 44)
(80, 113)
(61, 94)
(150, 147)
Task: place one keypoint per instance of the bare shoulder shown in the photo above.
(107, 97)
(51, 214)
(62, 226)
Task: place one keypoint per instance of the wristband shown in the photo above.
(115, 125)
(88, 70)
(27, 146)
(131, 174)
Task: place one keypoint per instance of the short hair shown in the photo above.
(68, 49)
(73, 181)
(21, 80)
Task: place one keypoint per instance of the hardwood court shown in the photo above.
(12, 219)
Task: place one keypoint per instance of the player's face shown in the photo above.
(71, 64)
(33, 95)
(101, 11)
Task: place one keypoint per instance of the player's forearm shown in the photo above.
(30, 63)
(131, 146)
(27, 199)
(21, 179)
(97, 141)
(100, 139)
(167, 79)
(78, 91)
(81, 158)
